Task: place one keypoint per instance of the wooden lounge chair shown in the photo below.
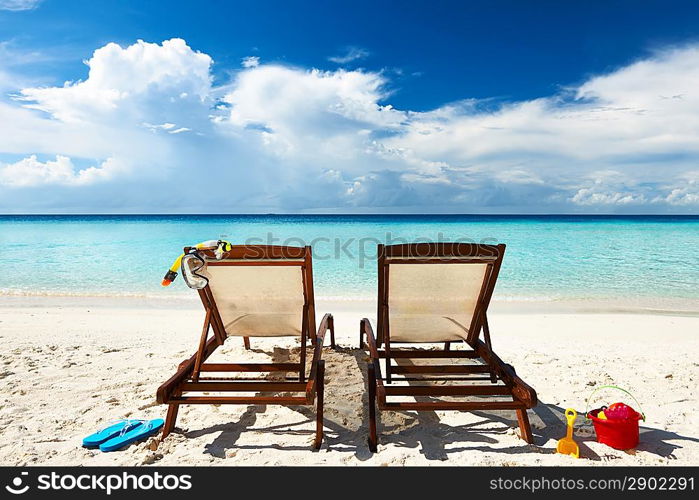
(254, 291)
(439, 293)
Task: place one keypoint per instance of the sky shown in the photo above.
(349, 107)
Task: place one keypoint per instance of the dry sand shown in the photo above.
(70, 365)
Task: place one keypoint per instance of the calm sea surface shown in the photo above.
(548, 257)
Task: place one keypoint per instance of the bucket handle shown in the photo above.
(587, 403)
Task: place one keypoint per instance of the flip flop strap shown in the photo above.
(111, 423)
(128, 428)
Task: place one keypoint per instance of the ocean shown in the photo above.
(548, 258)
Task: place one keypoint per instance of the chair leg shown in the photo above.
(246, 343)
(525, 429)
(319, 406)
(373, 437)
(170, 419)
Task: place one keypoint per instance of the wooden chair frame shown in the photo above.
(178, 388)
(492, 370)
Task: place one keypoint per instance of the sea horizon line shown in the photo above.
(358, 215)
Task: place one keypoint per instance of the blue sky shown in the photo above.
(495, 107)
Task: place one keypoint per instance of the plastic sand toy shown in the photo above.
(567, 445)
(616, 425)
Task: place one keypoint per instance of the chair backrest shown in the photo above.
(260, 291)
(435, 292)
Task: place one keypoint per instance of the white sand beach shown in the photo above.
(70, 365)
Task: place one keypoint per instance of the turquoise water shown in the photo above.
(548, 257)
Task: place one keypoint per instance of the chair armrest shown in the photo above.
(366, 329)
(520, 389)
(327, 323)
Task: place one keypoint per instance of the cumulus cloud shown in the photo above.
(350, 54)
(687, 194)
(32, 172)
(309, 115)
(591, 196)
(148, 121)
(125, 80)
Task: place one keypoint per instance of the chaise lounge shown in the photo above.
(252, 291)
(438, 293)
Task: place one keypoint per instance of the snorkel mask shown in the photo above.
(192, 262)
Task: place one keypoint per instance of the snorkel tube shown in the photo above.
(220, 246)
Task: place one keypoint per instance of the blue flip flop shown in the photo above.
(148, 428)
(99, 437)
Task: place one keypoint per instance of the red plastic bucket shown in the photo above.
(621, 434)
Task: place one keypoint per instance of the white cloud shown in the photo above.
(686, 193)
(170, 128)
(351, 54)
(17, 5)
(121, 77)
(312, 115)
(591, 196)
(250, 62)
(32, 172)
(280, 138)
(683, 196)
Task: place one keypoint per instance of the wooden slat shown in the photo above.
(441, 249)
(235, 400)
(453, 390)
(261, 253)
(244, 386)
(440, 369)
(414, 354)
(440, 260)
(250, 367)
(249, 379)
(463, 406)
(166, 390)
(442, 379)
(256, 263)
(507, 374)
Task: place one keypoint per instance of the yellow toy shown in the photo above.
(567, 445)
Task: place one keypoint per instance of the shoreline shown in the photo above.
(655, 306)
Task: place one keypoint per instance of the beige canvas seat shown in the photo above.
(258, 301)
(254, 291)
(438, 293)
(433, 303)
